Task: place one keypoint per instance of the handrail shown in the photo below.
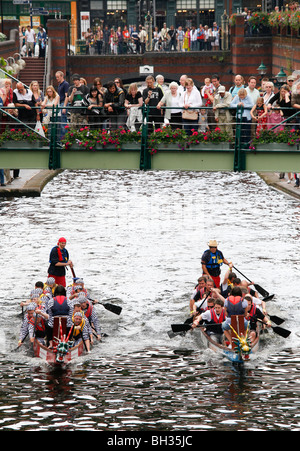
(11, 76)
(55, 146)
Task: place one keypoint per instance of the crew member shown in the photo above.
(234, 305)
(214, 317)
(212, 260)
(59, 259)
(254, 313)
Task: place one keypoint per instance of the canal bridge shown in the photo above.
(50, 153)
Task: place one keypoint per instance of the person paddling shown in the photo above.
(212, 260)
(59, 259)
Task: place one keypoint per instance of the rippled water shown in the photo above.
(138, 237)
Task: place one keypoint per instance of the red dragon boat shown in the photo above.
(63, 350)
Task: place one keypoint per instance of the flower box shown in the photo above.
(210, 146)
(276, 147)
(22, 144)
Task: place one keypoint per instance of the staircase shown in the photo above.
(33, 71)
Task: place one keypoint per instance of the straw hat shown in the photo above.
(212, 243)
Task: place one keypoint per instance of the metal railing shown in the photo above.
(151, 119)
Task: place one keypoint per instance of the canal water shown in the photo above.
(136, 239)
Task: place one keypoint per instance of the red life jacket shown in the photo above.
(89, 309)
(60, 306)
(214, 317)
(252, 312)
(235, 305)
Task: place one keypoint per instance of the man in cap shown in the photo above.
(290, 81)
(212, 260)
(59, 259)
(76, 94)
(223, 116)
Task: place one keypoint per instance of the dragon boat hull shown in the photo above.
(235, 354)
(62, 351)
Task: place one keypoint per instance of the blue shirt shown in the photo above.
(248, 104)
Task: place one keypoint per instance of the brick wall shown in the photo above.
(198, 65)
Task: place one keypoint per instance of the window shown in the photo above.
(116, 4)
(186, 4)
(96, 5)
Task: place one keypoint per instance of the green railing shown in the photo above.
(55, 147)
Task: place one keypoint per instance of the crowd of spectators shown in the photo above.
(133, 40)
(177, 104)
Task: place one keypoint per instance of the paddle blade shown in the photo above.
(261, 290)
(276, 319)
(282, 332)
(181, 327)
(269, 298)
(113, 308)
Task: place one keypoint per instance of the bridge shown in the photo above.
(49, 153)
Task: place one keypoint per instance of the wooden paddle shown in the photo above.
(185, 327)
(278, 330)
(112, 308)
(275, 319)
(258, 288)
(188, 321)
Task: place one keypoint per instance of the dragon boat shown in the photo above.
(63, 350)
(242, 348)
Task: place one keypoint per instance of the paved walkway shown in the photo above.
(272, 179)
(30, 183)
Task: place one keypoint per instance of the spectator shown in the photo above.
(221, 106)
(113, 102)
(238, 84)
(62, 90)
(42, 41)
(269, 93)
(152, 96)
(24, 100)
(30, 41)
(142, 38)
(133, 102)
(171, 99)
(180, 37)
(172, 37)
(251, 89)
(242, 99)
(94, 103)
(76, 93)
(99, 39)
(106, 40)
(191, 101)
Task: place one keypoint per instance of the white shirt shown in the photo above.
(193, 99)
(30, 35)
(253, 94)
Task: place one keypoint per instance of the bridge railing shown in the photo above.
(148, 124)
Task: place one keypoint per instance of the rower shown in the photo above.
(253, 314)
(234, 305)
(80, 330)
(90, 314)
(212, 260)
(78, 287)
(24, 331)
(38, 325)
(197, 300)
(215, 315)
(59, 305)
(59, 260)
(34, 295)
(50, 283)
(227, 284)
